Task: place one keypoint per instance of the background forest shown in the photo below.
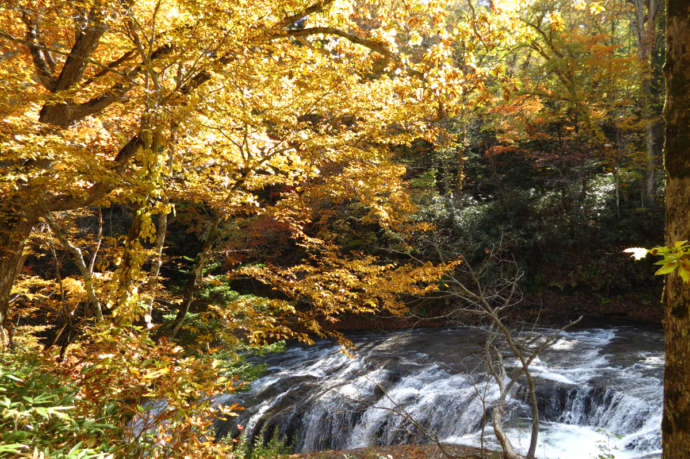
(183, 181)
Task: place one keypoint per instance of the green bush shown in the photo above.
(276, 446)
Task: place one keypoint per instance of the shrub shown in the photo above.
(38, 414)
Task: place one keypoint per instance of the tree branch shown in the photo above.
(63, 114)
(78, 258)
(29, 44)
(110, 67)
(38, 54)
(99, 189)
(85, 44)
(290, 20)
(373, 45)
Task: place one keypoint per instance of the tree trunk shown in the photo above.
(650, 191)
(130, 268)
(158, 260)
(497, 414)
(78, 258)
(12, 241)
(209, 240)
(644, 25)
(676, 420)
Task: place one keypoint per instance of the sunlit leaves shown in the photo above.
(674, 259)
(226, 108)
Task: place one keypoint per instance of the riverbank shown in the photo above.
(402, 452)
(547, 309)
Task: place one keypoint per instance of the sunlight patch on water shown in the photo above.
(564, 344)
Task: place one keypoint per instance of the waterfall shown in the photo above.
(599, 391)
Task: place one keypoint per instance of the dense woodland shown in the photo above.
(184, 181)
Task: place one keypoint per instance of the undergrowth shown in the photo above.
(38, 416)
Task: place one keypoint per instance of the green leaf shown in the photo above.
(15, 379)
(666, 269)
(684, 274)
(74, 452)
(14, 448)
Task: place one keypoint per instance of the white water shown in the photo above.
(600, 392)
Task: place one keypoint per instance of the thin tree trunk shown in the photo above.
(158, 260)
(534, 407)
(651, 164)
(194, 281)
(78, 257)
(496, 369)
(649, 194)
(618, 192)
(64, 315)
(676, 419)
(497, 418)
(644, 25)
(131, 262)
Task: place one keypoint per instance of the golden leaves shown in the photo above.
(333, 284)
(216, 105)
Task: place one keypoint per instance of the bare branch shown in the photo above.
(401, 411)
(99, 240)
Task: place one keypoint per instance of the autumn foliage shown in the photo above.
(267, 116)
(179, 178)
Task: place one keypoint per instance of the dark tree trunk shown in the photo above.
(676, 421)
(209, 240)
(12, 240)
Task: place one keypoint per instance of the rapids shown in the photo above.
(600, 393)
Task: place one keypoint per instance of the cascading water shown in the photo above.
(600, 392)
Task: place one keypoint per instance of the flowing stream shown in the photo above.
(600, 393)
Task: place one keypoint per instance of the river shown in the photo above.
(600, 393)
